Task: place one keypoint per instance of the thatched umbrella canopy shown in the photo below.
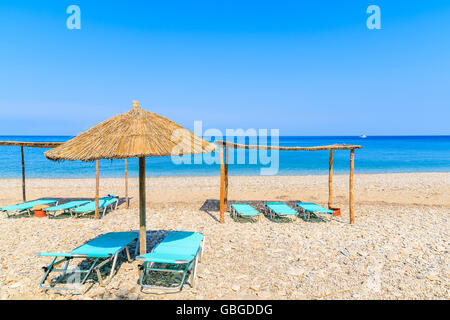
(135, 134)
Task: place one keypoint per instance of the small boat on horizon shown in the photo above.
(363, 136)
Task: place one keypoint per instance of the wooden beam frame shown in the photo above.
(23, 144)
(31, 144)
(318, 148)
(223, 149)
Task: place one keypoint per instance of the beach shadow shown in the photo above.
(210, 206)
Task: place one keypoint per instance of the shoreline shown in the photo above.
(230, 175)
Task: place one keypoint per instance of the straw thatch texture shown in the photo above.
(137, 133)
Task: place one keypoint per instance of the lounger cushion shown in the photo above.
(177, 245)
(103, 246)
(67, 206)
(103, 202)
(244, 209)
(182, 239)
(281, 208)
(172, 258)
(28, 205)
(312, 207)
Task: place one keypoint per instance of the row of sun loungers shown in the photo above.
(26, 207)
(279, 209)
(75, 208)
(179, 252)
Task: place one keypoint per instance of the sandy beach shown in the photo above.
(397, 249)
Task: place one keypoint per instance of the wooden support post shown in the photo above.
(226, 180)
(222, 186)
(352, 170)
(142, 209)
(330, 181)
(97, 188)
(127, 201)
(24, 194)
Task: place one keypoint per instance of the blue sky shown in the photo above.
(304, 67)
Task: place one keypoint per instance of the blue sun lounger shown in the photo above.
(179, 252)
(66, 207)
(244, 210)
(309, 208)
(279, 209)
(26, 207)
(99, 251)
(103, 204)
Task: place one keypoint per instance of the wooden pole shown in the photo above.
(24, 194)
(352, 170)
(142, 210)
(226, 180)
(222, 186)
(127, 201)
(97, 188)
(330, 181)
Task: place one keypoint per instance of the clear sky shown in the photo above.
(304, 67)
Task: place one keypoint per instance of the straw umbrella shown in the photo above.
(135, 134)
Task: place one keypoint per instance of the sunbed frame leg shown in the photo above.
(202, 249)
(113, 266)
(194, 274)
(128, 254)
(66, 265)
(136, 250)
(47, 272)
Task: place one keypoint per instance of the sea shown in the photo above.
(380, 154)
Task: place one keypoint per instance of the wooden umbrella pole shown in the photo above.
(225, 202)
(352, 170)
(330, 181)
(222, 186)
(127, 201)
(142, 210)
(24, 195)
(97, 188)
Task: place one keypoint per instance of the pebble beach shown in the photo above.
(397, 248)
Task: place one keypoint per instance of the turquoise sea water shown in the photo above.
(381, 154)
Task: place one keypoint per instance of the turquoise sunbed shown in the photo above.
(99, 251)
(279, 209)
(244, 210)
(103, 204)
(26, 207)
(309, 208)
(179, 252)
(66, 207)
